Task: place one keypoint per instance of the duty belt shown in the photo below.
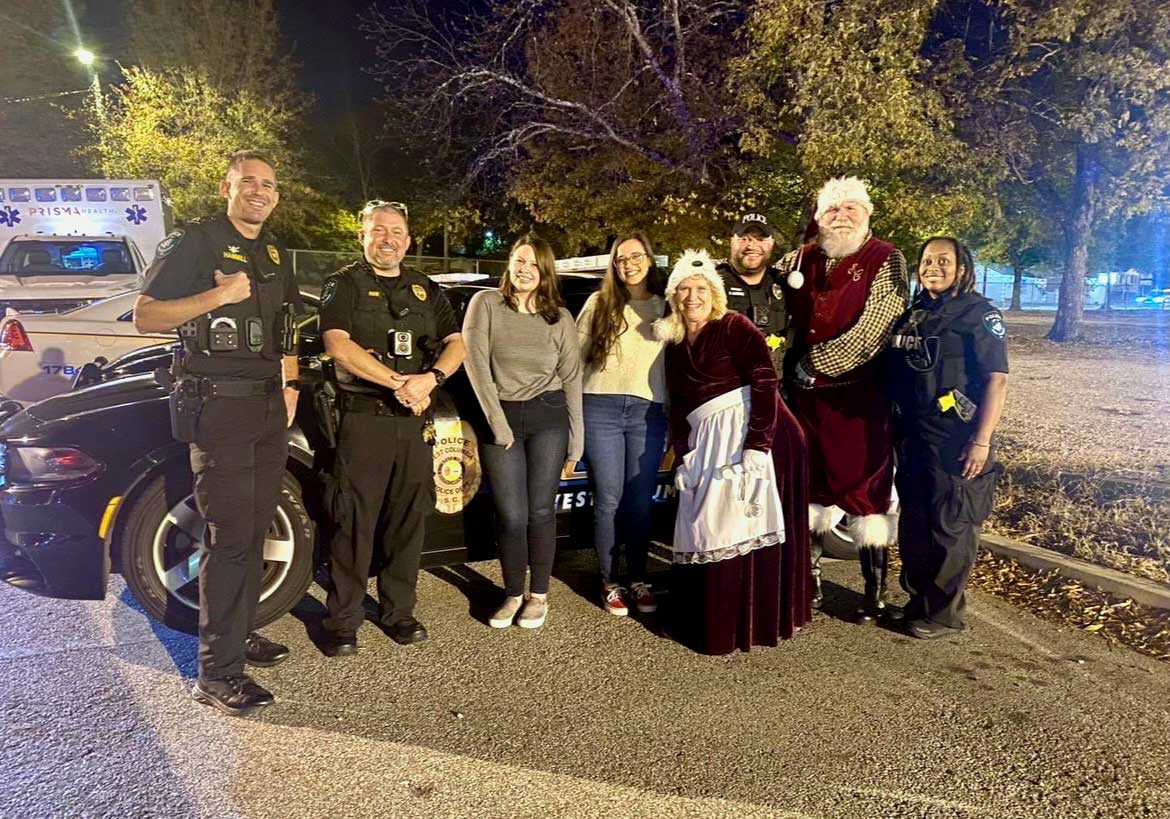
(357, 402)
(236, 387)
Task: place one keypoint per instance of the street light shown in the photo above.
(85, 56)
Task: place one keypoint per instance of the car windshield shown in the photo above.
(66, 257)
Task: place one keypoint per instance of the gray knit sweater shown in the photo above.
(514, 356)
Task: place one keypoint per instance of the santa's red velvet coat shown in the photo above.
(846, 417)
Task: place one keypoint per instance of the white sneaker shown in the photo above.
(534, 613)
(506, 613)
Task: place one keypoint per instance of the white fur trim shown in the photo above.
(842, 189)
(873, 530)
(796, 280)
(823, 518)
(663, 329)
(693, 263)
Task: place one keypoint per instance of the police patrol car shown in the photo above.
(91, 481)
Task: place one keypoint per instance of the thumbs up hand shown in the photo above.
(233, 288)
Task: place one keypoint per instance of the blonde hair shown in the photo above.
(672, 329)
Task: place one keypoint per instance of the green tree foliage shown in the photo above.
(39, 71)
(846, 87)
(176, 126)
(1073, 99)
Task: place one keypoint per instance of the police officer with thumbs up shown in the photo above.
(225, 284)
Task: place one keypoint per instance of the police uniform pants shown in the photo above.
(938, 528)
(385, 493)
(238, 459)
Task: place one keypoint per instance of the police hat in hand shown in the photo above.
(754, 221)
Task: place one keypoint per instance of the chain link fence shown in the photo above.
(311, 267)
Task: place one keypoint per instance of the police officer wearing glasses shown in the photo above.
(226, 284)
(394, 338)
(947, 370)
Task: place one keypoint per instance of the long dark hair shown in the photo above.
(964, 281)
(547, 297)
(608, 321)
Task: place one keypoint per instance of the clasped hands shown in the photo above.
(413, 391)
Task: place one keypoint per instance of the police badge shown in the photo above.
(274, 254)
(419, 291)
(777, 290)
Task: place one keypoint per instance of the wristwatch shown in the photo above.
(294, 383)
(440, 376)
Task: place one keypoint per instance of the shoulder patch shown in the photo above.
(993, 323)
(328, 291)
(170, 242)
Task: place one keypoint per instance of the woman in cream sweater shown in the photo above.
(625, 425)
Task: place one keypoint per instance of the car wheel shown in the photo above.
(160, 553)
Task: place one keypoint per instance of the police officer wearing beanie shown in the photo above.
(394, 338)
(753, 288)
(947, 368)
(224, 283)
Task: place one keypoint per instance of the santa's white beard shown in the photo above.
(838, 244)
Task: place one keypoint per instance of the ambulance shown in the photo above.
(65, 243)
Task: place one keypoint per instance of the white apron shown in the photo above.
(724, 511)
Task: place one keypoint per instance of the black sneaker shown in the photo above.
(237, 694)
(262, 652)
(406, 631)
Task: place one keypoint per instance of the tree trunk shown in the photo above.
(1017, 285)
(1070, 310)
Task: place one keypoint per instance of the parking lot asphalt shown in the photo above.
(590, 716)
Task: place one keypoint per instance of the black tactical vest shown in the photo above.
(395, 317)
(266, 263)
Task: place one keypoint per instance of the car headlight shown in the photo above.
(39, 464)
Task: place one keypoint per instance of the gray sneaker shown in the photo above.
(506, 613)
(534, 613)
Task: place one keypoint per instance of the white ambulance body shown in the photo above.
(65, 243)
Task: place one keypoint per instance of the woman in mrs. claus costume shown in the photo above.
(741, 574)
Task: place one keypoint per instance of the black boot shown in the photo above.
(817, 551)
(875, 568)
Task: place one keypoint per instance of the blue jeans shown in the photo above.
(524, 480)
(624, 440)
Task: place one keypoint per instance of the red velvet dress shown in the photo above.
(765, 595)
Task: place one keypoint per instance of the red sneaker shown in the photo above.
(611, 600)
(644, 599)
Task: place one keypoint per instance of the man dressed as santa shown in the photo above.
(845, 292)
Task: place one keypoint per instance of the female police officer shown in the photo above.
(948, 375)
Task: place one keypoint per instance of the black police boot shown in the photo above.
(339, 644)
(237, 694)
(262, 652)
(406, 631)
(817, 551)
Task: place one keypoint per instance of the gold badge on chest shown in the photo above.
(419, 291)
(274, 254)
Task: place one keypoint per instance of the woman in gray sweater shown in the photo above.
(524, 364)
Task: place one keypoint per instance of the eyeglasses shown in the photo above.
(379, 204)
(633, 258)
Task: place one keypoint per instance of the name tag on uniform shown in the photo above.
(374, 294)
(233, 253)
(735, 291)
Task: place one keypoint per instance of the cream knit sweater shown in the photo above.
(635, 364)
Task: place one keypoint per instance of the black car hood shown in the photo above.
(68, 405)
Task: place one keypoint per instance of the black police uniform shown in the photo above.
(383, 471)
(763, 303)
(240, 447)
(941, 346)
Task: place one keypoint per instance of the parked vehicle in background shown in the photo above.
(69, 242)
(40, 355)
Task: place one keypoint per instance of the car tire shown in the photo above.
(159, 553)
